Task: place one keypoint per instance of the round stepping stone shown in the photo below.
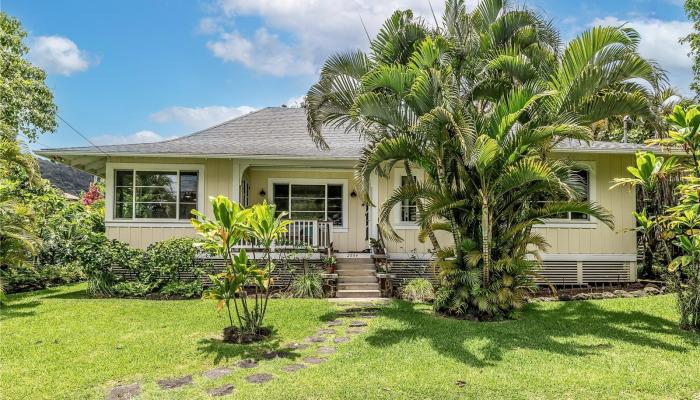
(335, 322)
(315, 339)
(221, 391)
(272, 354)
(124, 392)
(314, 360)
(343, 339)
(247, 363)
(259, 378)
(326, 331)
(172, 383)
(297, 346)
(326, 350)
(217, 372)
(293, 367)
(355, 324)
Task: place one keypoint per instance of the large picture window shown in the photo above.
(310, 201)
(155, 194)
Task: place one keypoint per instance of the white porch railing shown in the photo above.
(302, 233)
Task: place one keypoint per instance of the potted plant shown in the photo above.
(329, 263)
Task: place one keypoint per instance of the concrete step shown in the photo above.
(354, 260)
(357, 279)
(354, 266)
(360, 272)
(368, 294)
(358, 286)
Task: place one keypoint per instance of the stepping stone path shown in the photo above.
(217, 372)
(172, 383)
(221, 391)
(361, 312)
(272, 354)
(314, 360)
(326, 350)
(125, 392)
(248, 363)
(259, 378)
(293, 367)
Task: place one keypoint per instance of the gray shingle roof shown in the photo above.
(279, 132)
(269, 132)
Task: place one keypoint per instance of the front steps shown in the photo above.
(357, 279)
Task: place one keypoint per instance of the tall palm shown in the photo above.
(478, 106)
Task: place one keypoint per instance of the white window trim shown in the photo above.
(396, 211)
(149, 222)
(592, 223)
(314, 181)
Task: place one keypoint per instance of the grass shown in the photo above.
(59, 344)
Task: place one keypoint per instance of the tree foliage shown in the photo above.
(478, 103)
(26, 103)
(692, 9)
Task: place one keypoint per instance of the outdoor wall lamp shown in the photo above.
(262, 193)
(353, 194)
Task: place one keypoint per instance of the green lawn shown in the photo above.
(59, 344)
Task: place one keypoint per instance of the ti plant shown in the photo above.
(243, 287)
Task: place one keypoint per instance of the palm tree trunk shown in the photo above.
(485, 240)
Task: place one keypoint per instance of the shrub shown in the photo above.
(308, 284)
(25, 277)
(418, 290)
(98, 254)
(184, 289)
(166, 260)
(130, 289)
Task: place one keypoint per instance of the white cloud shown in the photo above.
(199, 117)
(295, 102)
(58, 55)
(660, 42)
(144, 136)
(264, 52)
(298, 35)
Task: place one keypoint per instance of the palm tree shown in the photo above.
(478, 105)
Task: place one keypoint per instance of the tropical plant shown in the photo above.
(418, 290)
(682, 222)
(231, 225)
(309, 284)
(478, 104)
(650, 175)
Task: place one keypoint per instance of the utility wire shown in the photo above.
(81, 135)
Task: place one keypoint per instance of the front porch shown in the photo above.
(320, 197)
(313, 235)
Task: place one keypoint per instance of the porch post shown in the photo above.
(236, 181)
(373, 210)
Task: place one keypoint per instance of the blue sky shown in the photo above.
(130, 71)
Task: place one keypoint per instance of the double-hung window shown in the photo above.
(310, 201)
(409, 209)
(583, 176)
(151, 194)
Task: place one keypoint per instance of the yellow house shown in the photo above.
(267, 154)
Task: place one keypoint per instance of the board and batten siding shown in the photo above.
(571, 239)
(218, 179)
(564, 240)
